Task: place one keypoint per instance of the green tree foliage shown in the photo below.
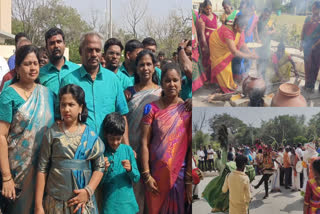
(47, 14)
(313, 131)
(282, 129)
(300, 139)
(200, 138)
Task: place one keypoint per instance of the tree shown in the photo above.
(282, 129)
(200, 138)
(233, 124)
(169, 31)
(135, 11)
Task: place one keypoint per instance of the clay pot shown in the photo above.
(252, 83)
(288, 95)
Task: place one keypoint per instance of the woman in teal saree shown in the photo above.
(26, 113)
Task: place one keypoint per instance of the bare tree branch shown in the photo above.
(135, 12)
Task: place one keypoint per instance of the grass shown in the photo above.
(288, 19)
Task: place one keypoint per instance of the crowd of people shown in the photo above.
(102, 137)
(290, 167)
(222, 58)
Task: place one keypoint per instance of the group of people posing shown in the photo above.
(221, 55)
(105, 137)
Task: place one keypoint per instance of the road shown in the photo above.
(277, 203)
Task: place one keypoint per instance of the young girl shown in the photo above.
(71, 162)
(312, 195)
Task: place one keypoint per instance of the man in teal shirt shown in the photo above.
(103, 92)
(52, 74)
(151, 44)
(131, 51)
(112, 54)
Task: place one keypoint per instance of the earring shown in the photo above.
(18, 76)
(79, 117)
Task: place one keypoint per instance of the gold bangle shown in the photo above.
(3, 181)
(145, 172)
(188, 173)
(188, 182)
(148, 180)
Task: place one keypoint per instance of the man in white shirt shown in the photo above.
(299, 152)
(211, 153)
(201, 155)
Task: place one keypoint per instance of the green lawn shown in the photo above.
(288, 19)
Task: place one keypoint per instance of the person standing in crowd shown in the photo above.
(9, 75)
(151, 44)
(131, 51)
(207, 23)
(17, 38)
(299, 152)
(104, 94)
(175, 57)
(161, 56)
(205, 162)
(166, 164)
(71, 162)
(286, 166)
(121, 169)
(238, 185)
(241, 65)
(211, 159)
(52, 74)
(310, 40)
(145, 90)
(268, 167)
(200, 154)
(27, 111)
(43, 56)
(275, 182)
(230, 156)
(294, 158)
(185, 62)
(112, 54)
(229, 15)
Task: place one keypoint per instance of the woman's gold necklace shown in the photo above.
(26, 93)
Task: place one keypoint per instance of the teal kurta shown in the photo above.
(118, 195)
(186, 88)
(103, 96)
(51, 77)
(131, 78)
(124, 80)
(10, 101)
(124, 71)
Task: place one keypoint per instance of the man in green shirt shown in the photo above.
(112, 55)
(131, 51)
(58, 67)
(103, 91)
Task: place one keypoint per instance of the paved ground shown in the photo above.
(277, 203)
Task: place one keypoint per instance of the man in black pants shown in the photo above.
(205, 158)
(267, 172)
(287, 168)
